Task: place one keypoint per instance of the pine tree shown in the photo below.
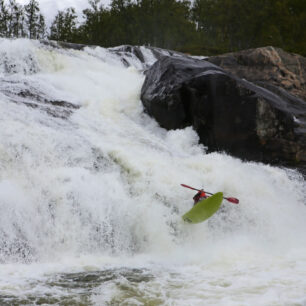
(41, 27)
(70, 22)
(13, 19)
(63, 27)
(32, 14)
(230, 25)
(57, 26)
(206, 27)
(164, 23)
(17, 20)
(98, 26)
(4, 19)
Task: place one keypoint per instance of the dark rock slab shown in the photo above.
(229, 114)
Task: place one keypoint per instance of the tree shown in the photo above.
(4, 19)
(165, 23)
(17, 20)
(123, 22)
(206, 27)
(63, 27)
(12, 19)
(98, 25)
(41, 31)
(296, 22)
(57, 26)
(32, 16)
(230, 25)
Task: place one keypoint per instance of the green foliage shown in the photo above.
(231, 25)
(17, 23)
(202, 27)
(64, 25)
(206, 27)
(4, 19)
(21, 21)
(42, 29)
(165, 23)
(32, 16)
(161, 23)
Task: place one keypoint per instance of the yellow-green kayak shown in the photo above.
(204, 209)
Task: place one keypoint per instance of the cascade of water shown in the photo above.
(102, 178)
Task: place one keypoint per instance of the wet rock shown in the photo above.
(30, 96)
(229, 114)
(142, 57)
(64, 45)
(268, 65)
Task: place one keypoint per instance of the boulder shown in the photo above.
(267, 65)
(229, 114)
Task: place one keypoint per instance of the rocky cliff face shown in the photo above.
(267, 66)
(229, 113)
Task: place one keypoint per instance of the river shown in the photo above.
(91, 202)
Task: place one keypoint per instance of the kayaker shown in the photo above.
(199, 196)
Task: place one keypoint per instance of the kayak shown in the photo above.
(204, 209)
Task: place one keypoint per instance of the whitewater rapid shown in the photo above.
(91, 202)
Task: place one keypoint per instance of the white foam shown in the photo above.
(105, 183)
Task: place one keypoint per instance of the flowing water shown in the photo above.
(91, 203)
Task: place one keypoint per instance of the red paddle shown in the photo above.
(232, 200)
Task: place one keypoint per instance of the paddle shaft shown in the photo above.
(232, 200)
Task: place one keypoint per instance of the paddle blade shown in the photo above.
(233, 200)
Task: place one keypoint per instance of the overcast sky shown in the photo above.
(49, 8)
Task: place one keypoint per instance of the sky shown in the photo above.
(49, 8)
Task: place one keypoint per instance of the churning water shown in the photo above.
(91, 203)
